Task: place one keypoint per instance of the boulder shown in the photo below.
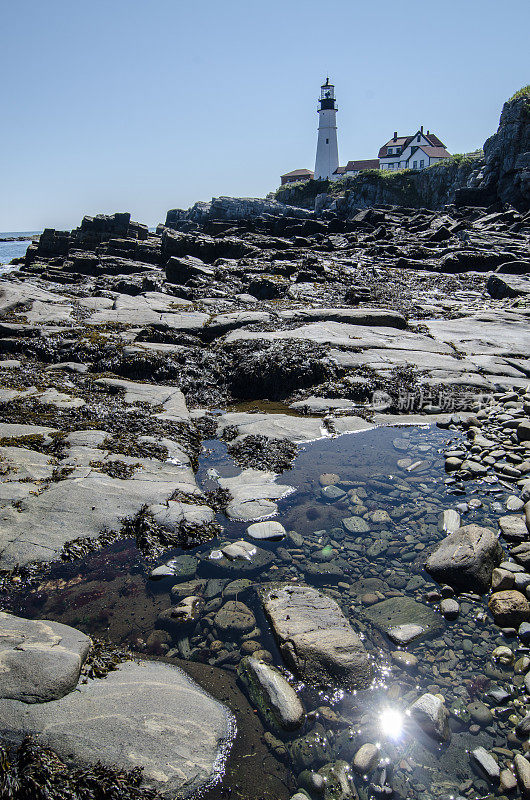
(181, 270)
(513, 527)
(503, 286)
(466, 558)
(521, 554)
(523, 431)
(39, 660)
(522, 769)
(509, 608)
(177, 619)
(314, 637)
(147, 714)
(273, 696)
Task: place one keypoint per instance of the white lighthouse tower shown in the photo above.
(327, 159)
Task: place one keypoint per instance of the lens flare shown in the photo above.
(391, 723)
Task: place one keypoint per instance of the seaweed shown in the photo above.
(260, 452)
(103, 657)
(33, 772)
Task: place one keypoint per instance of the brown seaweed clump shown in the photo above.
(32, 772)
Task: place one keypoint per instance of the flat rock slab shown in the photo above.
(315, 638)
(475, 335)
(274, 426)
(343, 335)
(324, 405)
(169, 397)
(39, 660)
(353, 316)
(147, 715)
(388, 359)
(403, 619)
(82, 506)
(192, 322)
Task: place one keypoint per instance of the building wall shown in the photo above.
(405, 155)
(327, 158)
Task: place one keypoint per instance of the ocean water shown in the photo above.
(14, 248)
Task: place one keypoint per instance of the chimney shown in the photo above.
(421, 129)
(395, 135)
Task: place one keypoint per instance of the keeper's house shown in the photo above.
(412, 152)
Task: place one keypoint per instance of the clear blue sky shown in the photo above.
(143, 106)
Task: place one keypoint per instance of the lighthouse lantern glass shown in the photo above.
(327, 91)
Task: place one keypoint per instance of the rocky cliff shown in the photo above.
(500, 174)
(505, 175)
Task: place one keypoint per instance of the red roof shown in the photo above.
(297, 172)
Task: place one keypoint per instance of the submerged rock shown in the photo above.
(236, 617)
(338, 781)
(403, 619)
(430, 713)
(487, 763)
(274, 697)
(269, 530)
(315, 638)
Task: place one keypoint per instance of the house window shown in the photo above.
(327, 141)
(415, 165)
(422, 164)
(390, 151)
(419, 138)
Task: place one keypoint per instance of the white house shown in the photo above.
(412, 152)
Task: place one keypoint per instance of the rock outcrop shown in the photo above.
(499, 174)
(506, 173)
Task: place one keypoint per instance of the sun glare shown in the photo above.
(391, 722)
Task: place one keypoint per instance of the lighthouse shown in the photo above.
(327, 159)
